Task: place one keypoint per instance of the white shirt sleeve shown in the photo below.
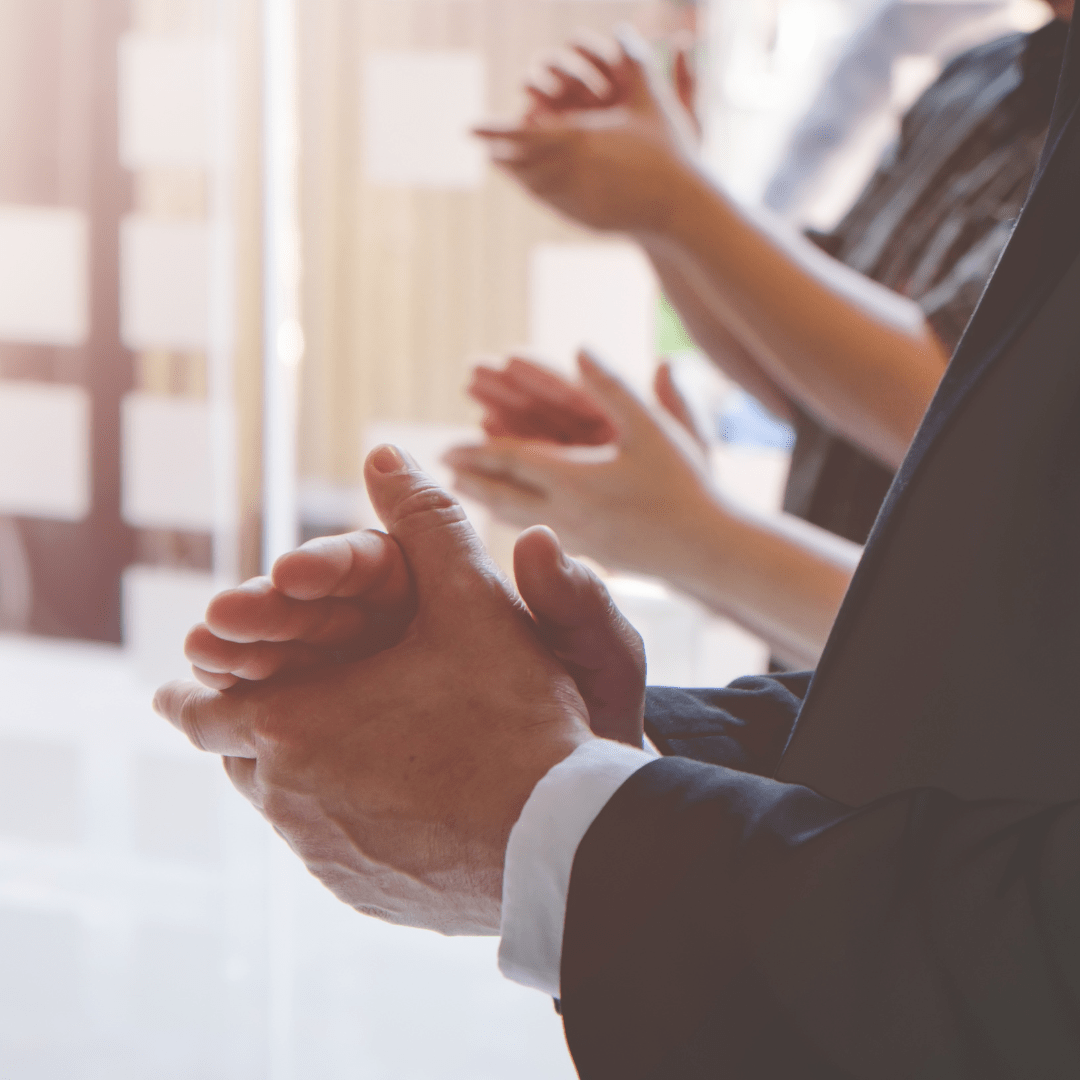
(540, 856)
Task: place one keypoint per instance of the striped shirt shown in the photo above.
(931, 224)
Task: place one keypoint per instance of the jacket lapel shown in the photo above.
(945, 664)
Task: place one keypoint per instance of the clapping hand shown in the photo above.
(607, 147)
(627, 504)
(342, 598)
(397, 777)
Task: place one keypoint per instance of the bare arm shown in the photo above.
(851, 351)
(780, 577)
(690, 293)
(778, 314)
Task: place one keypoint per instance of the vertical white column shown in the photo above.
(222, 302)
(283, 339)
(283, 346)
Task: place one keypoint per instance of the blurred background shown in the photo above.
(241, 242)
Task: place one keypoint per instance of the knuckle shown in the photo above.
(278, 807)
(191, 721)
(426, 507)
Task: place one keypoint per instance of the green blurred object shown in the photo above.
(671, 335)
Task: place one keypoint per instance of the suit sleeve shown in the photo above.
(721, 924)
(744, 726)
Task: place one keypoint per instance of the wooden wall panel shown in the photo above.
(405, 288)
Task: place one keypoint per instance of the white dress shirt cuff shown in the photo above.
(540, 856)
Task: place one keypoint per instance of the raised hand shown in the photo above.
(629, 505)
(527, 401)
(398, 777)
(592, 74)
(611, 159)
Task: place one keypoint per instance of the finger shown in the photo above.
(542, 382)
(491, 387)
(631, 75)
(526, 414)
(356, 633)
(563, 395)
(499, 425)
(525, 146)
(502, 422)
(627, 411)
(672, 399)
(544, 425)
(215, 680)
(599, 55)
(579, 623)
(515, 135)
(214, 722)
(540, 105)
(256, 611)
(572, 89)
(531, 466)
(365, 564)
(254, 661)
(686, 85)
(444, 554)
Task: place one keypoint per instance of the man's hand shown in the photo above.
(610, 159)
(398, 778)
(629, 506)
(347, 597)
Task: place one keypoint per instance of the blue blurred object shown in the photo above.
(746, 422)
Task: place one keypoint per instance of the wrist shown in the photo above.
(686, 196)
(701, 540)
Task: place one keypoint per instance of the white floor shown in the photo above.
(152, 927)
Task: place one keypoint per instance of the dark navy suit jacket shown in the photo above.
(875, 873)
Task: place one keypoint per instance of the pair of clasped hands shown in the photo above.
(388, 701)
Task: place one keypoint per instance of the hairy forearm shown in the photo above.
(852, 352)
(780, 577)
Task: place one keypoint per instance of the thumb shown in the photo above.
(671, 397)
(686, 83)
(633, 73)
(365, 564)
(630, 414)
(579, 623)
(447, 559)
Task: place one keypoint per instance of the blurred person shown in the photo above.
(860, 86)
(871, 877)
(648, 505)
(845, 337)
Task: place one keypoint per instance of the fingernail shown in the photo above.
(388, 459)
(564, 560)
